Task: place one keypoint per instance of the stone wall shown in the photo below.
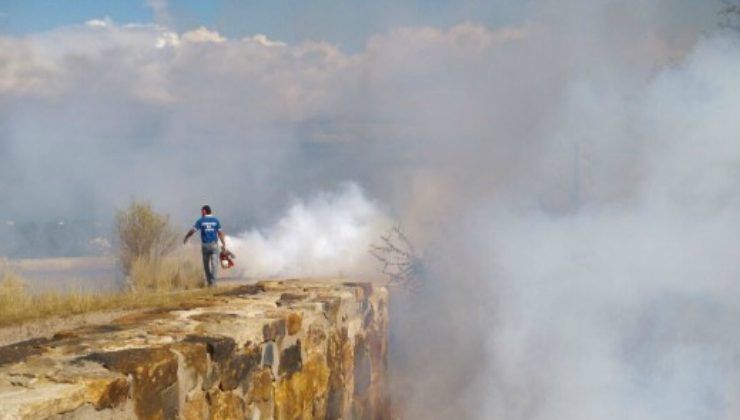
(282, 350)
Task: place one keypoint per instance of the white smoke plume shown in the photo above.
(614, 295)
(623, 306)
(326, 236)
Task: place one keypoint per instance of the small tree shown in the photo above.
(143, 233)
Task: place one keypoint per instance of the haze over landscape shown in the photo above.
(568, 170)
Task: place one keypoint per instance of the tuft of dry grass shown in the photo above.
(164, 274)
(17, 305)
(13, 295)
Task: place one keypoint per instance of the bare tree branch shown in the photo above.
(399, 259)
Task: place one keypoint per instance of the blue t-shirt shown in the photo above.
(209, 226)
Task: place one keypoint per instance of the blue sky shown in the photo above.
(346, 23)
(22, 17)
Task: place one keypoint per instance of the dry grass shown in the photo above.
(17, 305)
(165, 274)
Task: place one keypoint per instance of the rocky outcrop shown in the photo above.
(282, 350)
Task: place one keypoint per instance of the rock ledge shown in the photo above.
(274, 350)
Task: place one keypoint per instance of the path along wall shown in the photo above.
(274, 350)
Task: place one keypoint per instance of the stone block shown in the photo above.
(225, 405)
(154, 373)
(237, 369)
(219, 348)
(291, 360)
(274, 330)
(196, 406)
(294, 321)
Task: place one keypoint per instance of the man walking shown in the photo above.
(210, 233)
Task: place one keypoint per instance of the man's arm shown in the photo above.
(222, 237)
(188, 235)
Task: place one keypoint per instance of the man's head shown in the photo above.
(205, 210)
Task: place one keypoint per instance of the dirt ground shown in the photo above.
(48, 327)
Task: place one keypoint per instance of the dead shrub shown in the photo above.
(400, 261)
(143, 234)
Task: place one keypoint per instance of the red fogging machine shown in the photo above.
(227, 258)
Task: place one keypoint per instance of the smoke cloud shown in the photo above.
(571, 178)
(329, 236)
(612, 295)
(621, 307)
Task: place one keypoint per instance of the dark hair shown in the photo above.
(206, 209)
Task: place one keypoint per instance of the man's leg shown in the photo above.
(206, 251)
(214, 263)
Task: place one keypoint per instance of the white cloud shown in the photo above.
(263, 40)
(168, 39)
(99, 23)
(314, 61)
(465, 35)
(201, 34)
